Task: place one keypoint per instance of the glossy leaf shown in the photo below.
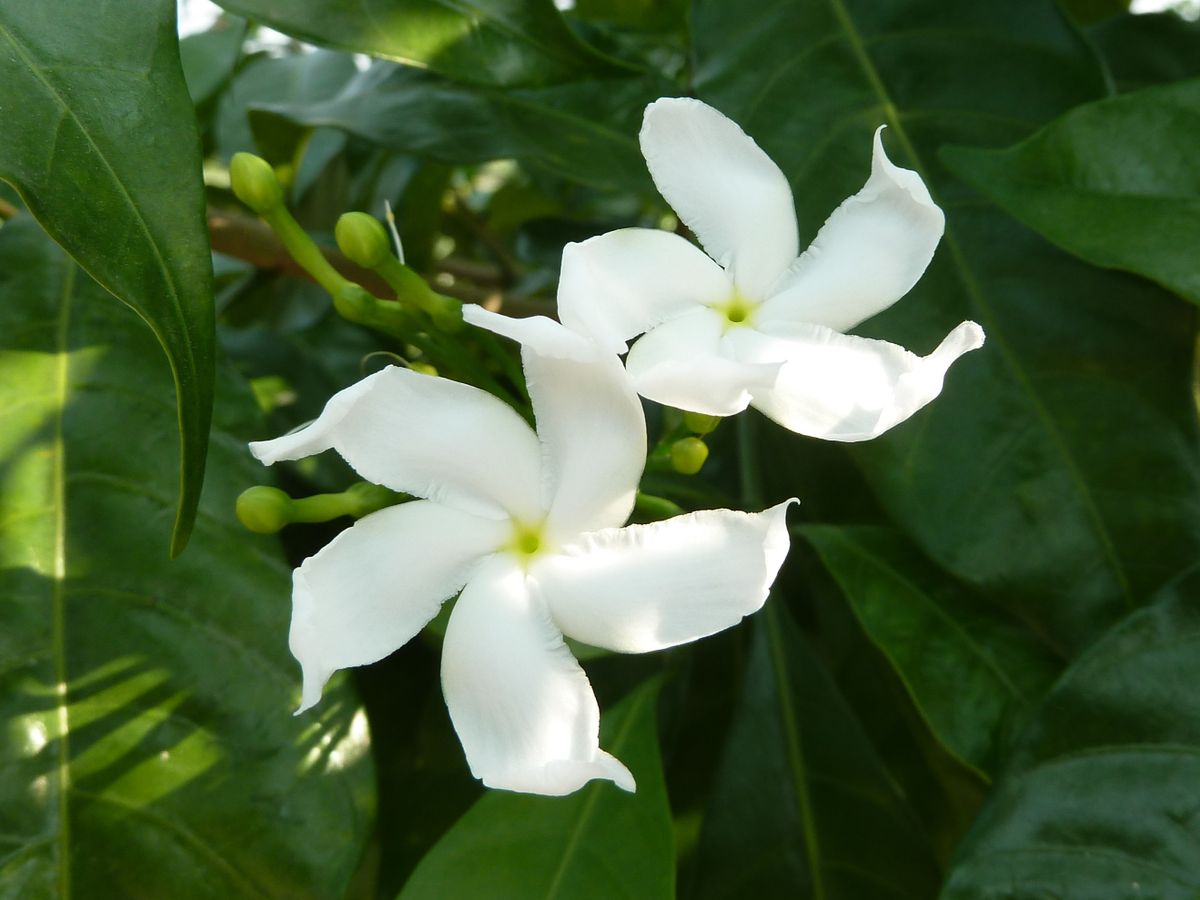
(100, 141)
(1148, 48)
(1116, 182)
(973, 671)
(1027, 476)
(1100, 799)
(147, 746)
(599, 842)
(209, 58)
(585, 132)
(507, 43)
(802, 806)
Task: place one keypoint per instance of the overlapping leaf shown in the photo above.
(508, 43)
(1115, 182)
(146, 743)
(100, 140)
(1100, 800)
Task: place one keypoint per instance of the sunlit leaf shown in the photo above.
(147, 746)
(508, 43)
(100, 140)
(1115, 182)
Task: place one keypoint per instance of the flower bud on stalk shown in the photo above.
(688, 455)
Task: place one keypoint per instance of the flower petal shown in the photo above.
(589, 420)
(724, 187)
(645, 587)
(426, 436)
(679, 364)
(523, 708)
(845, 388)
(866, 256)
(375, 585)
(625, 282)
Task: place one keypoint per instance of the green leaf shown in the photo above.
(209, 58)
(100, 140)
(1027, 476)
(973, 671)
(599, 842)
(507, 43)
(585, 132)
(1148, 48)
(802, 806)
(1100, 800)
(147, 746)
(1116, 182)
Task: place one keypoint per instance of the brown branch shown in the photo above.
(7, 210)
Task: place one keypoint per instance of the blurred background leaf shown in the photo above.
(100, 141)
(147, 747)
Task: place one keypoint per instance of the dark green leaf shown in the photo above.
(1086, 11)
(802, 806)
(1151, 48)
(1100, 800)
(209, 58)
(596, 843)
(973, 671)
(1116, 182)
(1028, 475)
(585, 132)
(147, 746)
(100, 140)
(507, 43)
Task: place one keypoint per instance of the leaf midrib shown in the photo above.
(172, 288)
(975, 293)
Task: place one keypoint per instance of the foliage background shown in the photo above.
(976, 676)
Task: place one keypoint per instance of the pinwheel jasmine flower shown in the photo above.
(527, 526)
(750, 323)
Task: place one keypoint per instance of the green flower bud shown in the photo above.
(362, 238)
(422, 368)
(688, 455)
(263, 509)
(699, 423)
(254, 183)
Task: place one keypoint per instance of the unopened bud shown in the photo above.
(362, 238)
(422, 368)
(263, 509)
(699, 423)
(254, 182)
(688, 455)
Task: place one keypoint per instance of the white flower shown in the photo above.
(750, 323)
(527, 526)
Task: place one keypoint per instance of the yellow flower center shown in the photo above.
(738, 310)
(527, 541)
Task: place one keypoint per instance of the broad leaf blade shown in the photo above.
(1027, 475)
(507, 43)
(100, 140)
(596, 843)
(802, 806)
(1101, 800)
(1148, 48)
(585, 132)
(147, 746)
(1116, 182)
(974, 672)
